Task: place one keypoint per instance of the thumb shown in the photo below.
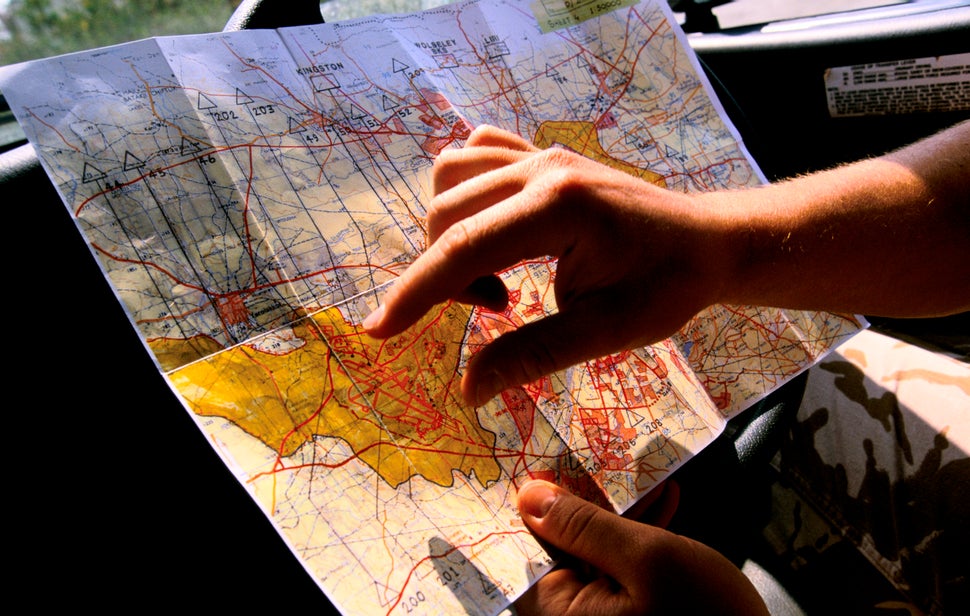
(534, 350)
(601, 538)
(656, 569)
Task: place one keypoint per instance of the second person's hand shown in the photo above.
(613, 566)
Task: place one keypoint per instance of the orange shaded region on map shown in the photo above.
(396, 402)
(174, 352)
(583, 138)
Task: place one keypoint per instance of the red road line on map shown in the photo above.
(455, 548)
(246, 291)
(329, 394)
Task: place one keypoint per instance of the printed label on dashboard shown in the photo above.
(917, 85)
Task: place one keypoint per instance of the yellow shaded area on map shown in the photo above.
(396, 402)
(174, 352)
(583, 138)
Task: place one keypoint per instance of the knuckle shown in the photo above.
(575, 523)
(542, 362)
(481, 133)
(560, 177)
(457, 238)
(442, 171)
(530, 359)
(436, 207)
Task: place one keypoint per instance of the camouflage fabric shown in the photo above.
(871, 511)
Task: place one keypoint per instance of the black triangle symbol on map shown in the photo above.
(397, 66)
(91, 174)
(634, 418)
(188, 146)
(551, 71)
(385, 592)
(242, 98)
(295, 126)
(205, 102)
(324, 83)
(488, 586)
(672, 152)
(132, 161)
(389, 104)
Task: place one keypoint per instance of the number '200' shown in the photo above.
(412, 602)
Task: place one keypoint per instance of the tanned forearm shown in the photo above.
(887, 236)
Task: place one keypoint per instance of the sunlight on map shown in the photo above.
(251, 195)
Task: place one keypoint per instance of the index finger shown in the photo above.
(455, 167)
(487, 148)
(487, 242)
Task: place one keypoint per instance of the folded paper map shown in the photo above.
(250, 196)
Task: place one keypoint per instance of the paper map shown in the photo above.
(250, 195)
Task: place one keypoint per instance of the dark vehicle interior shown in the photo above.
(172, 528)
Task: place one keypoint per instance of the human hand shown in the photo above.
(614, 565)
(635, 261)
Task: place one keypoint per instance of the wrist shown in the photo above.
(730, 240)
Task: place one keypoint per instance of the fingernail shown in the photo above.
(374, 318)
(490, 384)
(536, 498)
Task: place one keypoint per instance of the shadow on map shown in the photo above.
(476, 592)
